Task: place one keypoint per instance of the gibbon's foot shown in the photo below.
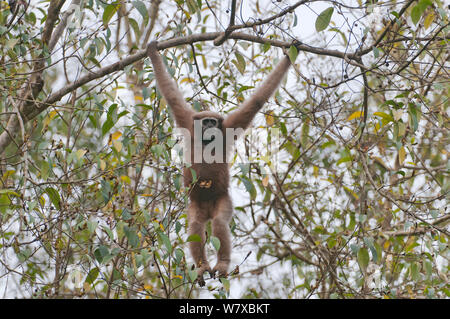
(152, 47)
(221, 268)
(201, 270)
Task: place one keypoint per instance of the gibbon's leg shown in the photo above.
(221, 229)
(197, 219)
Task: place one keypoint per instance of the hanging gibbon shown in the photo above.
(209, 197)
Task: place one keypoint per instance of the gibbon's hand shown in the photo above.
(152, 47)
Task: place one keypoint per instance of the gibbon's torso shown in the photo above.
(212, 176)
(209, 192)
(212, 180)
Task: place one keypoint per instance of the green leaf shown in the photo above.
(323, 20)
(194, 175)
(304, 137)
(414, 116)
(266, 47)
(194, 237)
(135, 27)
(166, 241)
(9, 192)
(225, 283)
(415, 271)
(109, 12)
(92, 275)
(106, 190)
(109, 123)
(239, 63)
(418, 10)
(126, 214)
(376, 52)
(133, 238)
(370, 243)
(293, 53)
(140, 6)
(109, 232)
(295, 20)
(386, 118)
(249, 187)
(192, 275)
(101, 252)
(416, 13)
(157, 150)
(54, 196)
(342, 34)
(179, 254)
(363, 259)
(245, 168)
(215, 242)
(91, 225)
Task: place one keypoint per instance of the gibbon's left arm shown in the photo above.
(242, 117)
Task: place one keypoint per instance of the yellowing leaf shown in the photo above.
(355, 115)
(80, 153)
(401, 155)
(48, 119)
(8, 174)
(348, 190)
(397, 114)
(109, 12)
(205, 65)
(239, 62)
(377, 127)
(138, 98)
(315, 171)
(116, 135)
(270, 120)
(10, 43)
(428, 20)
(386, 117)
(102, 165)
(126, 179)
(401, 129)
(148, 287)
(265, 181)
(117, 145)
(380, 162)
(188, 80)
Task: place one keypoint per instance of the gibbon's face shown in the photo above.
(210, 124)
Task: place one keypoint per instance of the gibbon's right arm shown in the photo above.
(242, 117)
(168, 88)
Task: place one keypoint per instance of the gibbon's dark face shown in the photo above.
(209, 122)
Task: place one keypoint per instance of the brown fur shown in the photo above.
(209, 197)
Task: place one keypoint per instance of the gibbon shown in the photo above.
(209, 197)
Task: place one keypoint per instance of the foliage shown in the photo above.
(92, 202)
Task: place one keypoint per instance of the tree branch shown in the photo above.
(36, 107)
